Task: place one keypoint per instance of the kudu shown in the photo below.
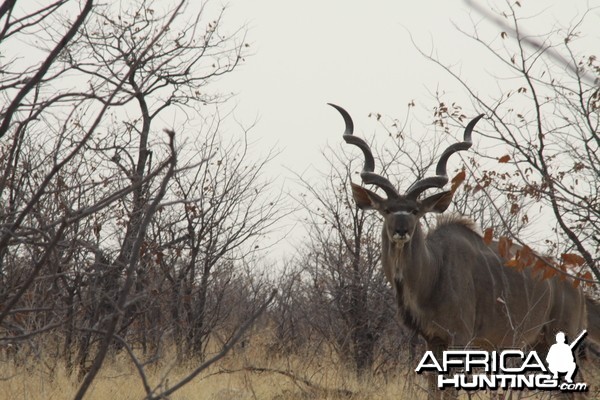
(451, 287)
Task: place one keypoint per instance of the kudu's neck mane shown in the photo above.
(417, 262)
(417, 267)
(420, 261)
(414, 273)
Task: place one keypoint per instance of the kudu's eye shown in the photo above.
(414, 211)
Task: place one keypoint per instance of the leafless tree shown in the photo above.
(224, 209)
(353, 307)
(110, 220)
(546, 114)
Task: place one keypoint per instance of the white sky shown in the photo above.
(355, 54)
(359, 55)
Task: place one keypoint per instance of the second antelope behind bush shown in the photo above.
(451, 287)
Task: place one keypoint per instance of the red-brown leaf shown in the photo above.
(488, 235)
(504, 159)
(504, 245)
(588, 277)
(549, 273)
(573, 259)
(457, 180)
(540, 265)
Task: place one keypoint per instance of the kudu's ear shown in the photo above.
(438, 202)
(366, 199)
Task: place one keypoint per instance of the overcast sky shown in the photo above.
(359, 55)
(354, 53)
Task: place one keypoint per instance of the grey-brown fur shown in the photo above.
(456, 290)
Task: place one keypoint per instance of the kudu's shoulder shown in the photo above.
(457, 223)
(460, 234)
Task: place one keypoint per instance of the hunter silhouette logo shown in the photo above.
(507, 369)
(560, 357)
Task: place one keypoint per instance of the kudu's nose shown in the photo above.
(401, 235)
(401, 231)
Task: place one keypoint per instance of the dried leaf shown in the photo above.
(588, 277)
(573, 259)
(549, 273)
(540, 265)
(514, 208)
(536, 270)
(562, 277)
(504, 245)
(488, 236)
(504, 159)
(457, 180)
(527, 256)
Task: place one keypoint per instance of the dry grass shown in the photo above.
(244, 374)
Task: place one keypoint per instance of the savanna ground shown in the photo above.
(252, 371)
